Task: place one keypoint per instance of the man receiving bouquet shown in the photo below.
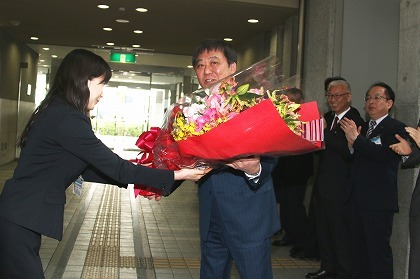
(238, 213)
(236, 124)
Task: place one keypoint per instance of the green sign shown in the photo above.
(122, 57)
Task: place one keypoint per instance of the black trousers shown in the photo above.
(334, 238)
(293, 216)
(19, 252)
(414, 266)
(371, 250)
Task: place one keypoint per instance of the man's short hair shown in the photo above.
(327, 81)
(210, 44)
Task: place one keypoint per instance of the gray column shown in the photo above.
(407, 110)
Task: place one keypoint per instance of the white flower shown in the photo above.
(193, 111)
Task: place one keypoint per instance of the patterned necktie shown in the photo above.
(334, 123)
(372, 124)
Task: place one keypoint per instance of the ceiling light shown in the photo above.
(138, 31)
(228, 39)
(136, 45)
(110, 44)
(34, 38)
(122, 21)
(107, 29)
(189, 66)
(252, 20)
(141, 10)
(103, 6)
(54, 56)
(46, 48)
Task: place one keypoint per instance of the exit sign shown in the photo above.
(122, 57)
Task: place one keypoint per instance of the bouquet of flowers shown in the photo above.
(241, 115)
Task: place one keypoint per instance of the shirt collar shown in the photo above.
(341, 115)
(379, 119)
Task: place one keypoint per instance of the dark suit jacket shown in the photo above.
(373, 179)
(411, 161)
(248, 210)
(335, 160)
(293, 170)
(61, 146)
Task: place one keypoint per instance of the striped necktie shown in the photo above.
(372, 124)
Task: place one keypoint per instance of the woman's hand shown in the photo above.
(191, 174)
(155, 197)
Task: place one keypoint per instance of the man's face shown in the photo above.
(212, 66)
(338, 99)
(377, 103)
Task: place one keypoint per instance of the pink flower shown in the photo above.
(214, 101)
(208, 116)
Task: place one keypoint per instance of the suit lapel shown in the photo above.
(329, 117)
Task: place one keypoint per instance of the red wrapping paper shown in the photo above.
(257, 130)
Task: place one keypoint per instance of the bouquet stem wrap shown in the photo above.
(146, 142)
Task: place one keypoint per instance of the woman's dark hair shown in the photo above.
(208, 45)
(71, 84)
(295, 91)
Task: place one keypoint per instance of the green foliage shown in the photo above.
(111, 128)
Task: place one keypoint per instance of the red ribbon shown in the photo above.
(146, 142)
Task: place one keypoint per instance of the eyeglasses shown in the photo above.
(375, 98)
(335, 96)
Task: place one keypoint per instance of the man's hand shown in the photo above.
(250, 165)
(350, 129)
(401, 148)
(414, 134)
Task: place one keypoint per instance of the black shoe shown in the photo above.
(295, 250)
(285, 241)
(305, 255)
(320, 274)
(281, 242)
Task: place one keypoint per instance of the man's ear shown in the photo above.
(232, 67)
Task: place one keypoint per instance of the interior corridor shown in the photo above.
(110, 234)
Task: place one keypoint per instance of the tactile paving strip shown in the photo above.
(103, 256)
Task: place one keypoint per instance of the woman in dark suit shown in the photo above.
(58, 147)
(413, 153)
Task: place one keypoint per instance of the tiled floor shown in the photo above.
(110, 234)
